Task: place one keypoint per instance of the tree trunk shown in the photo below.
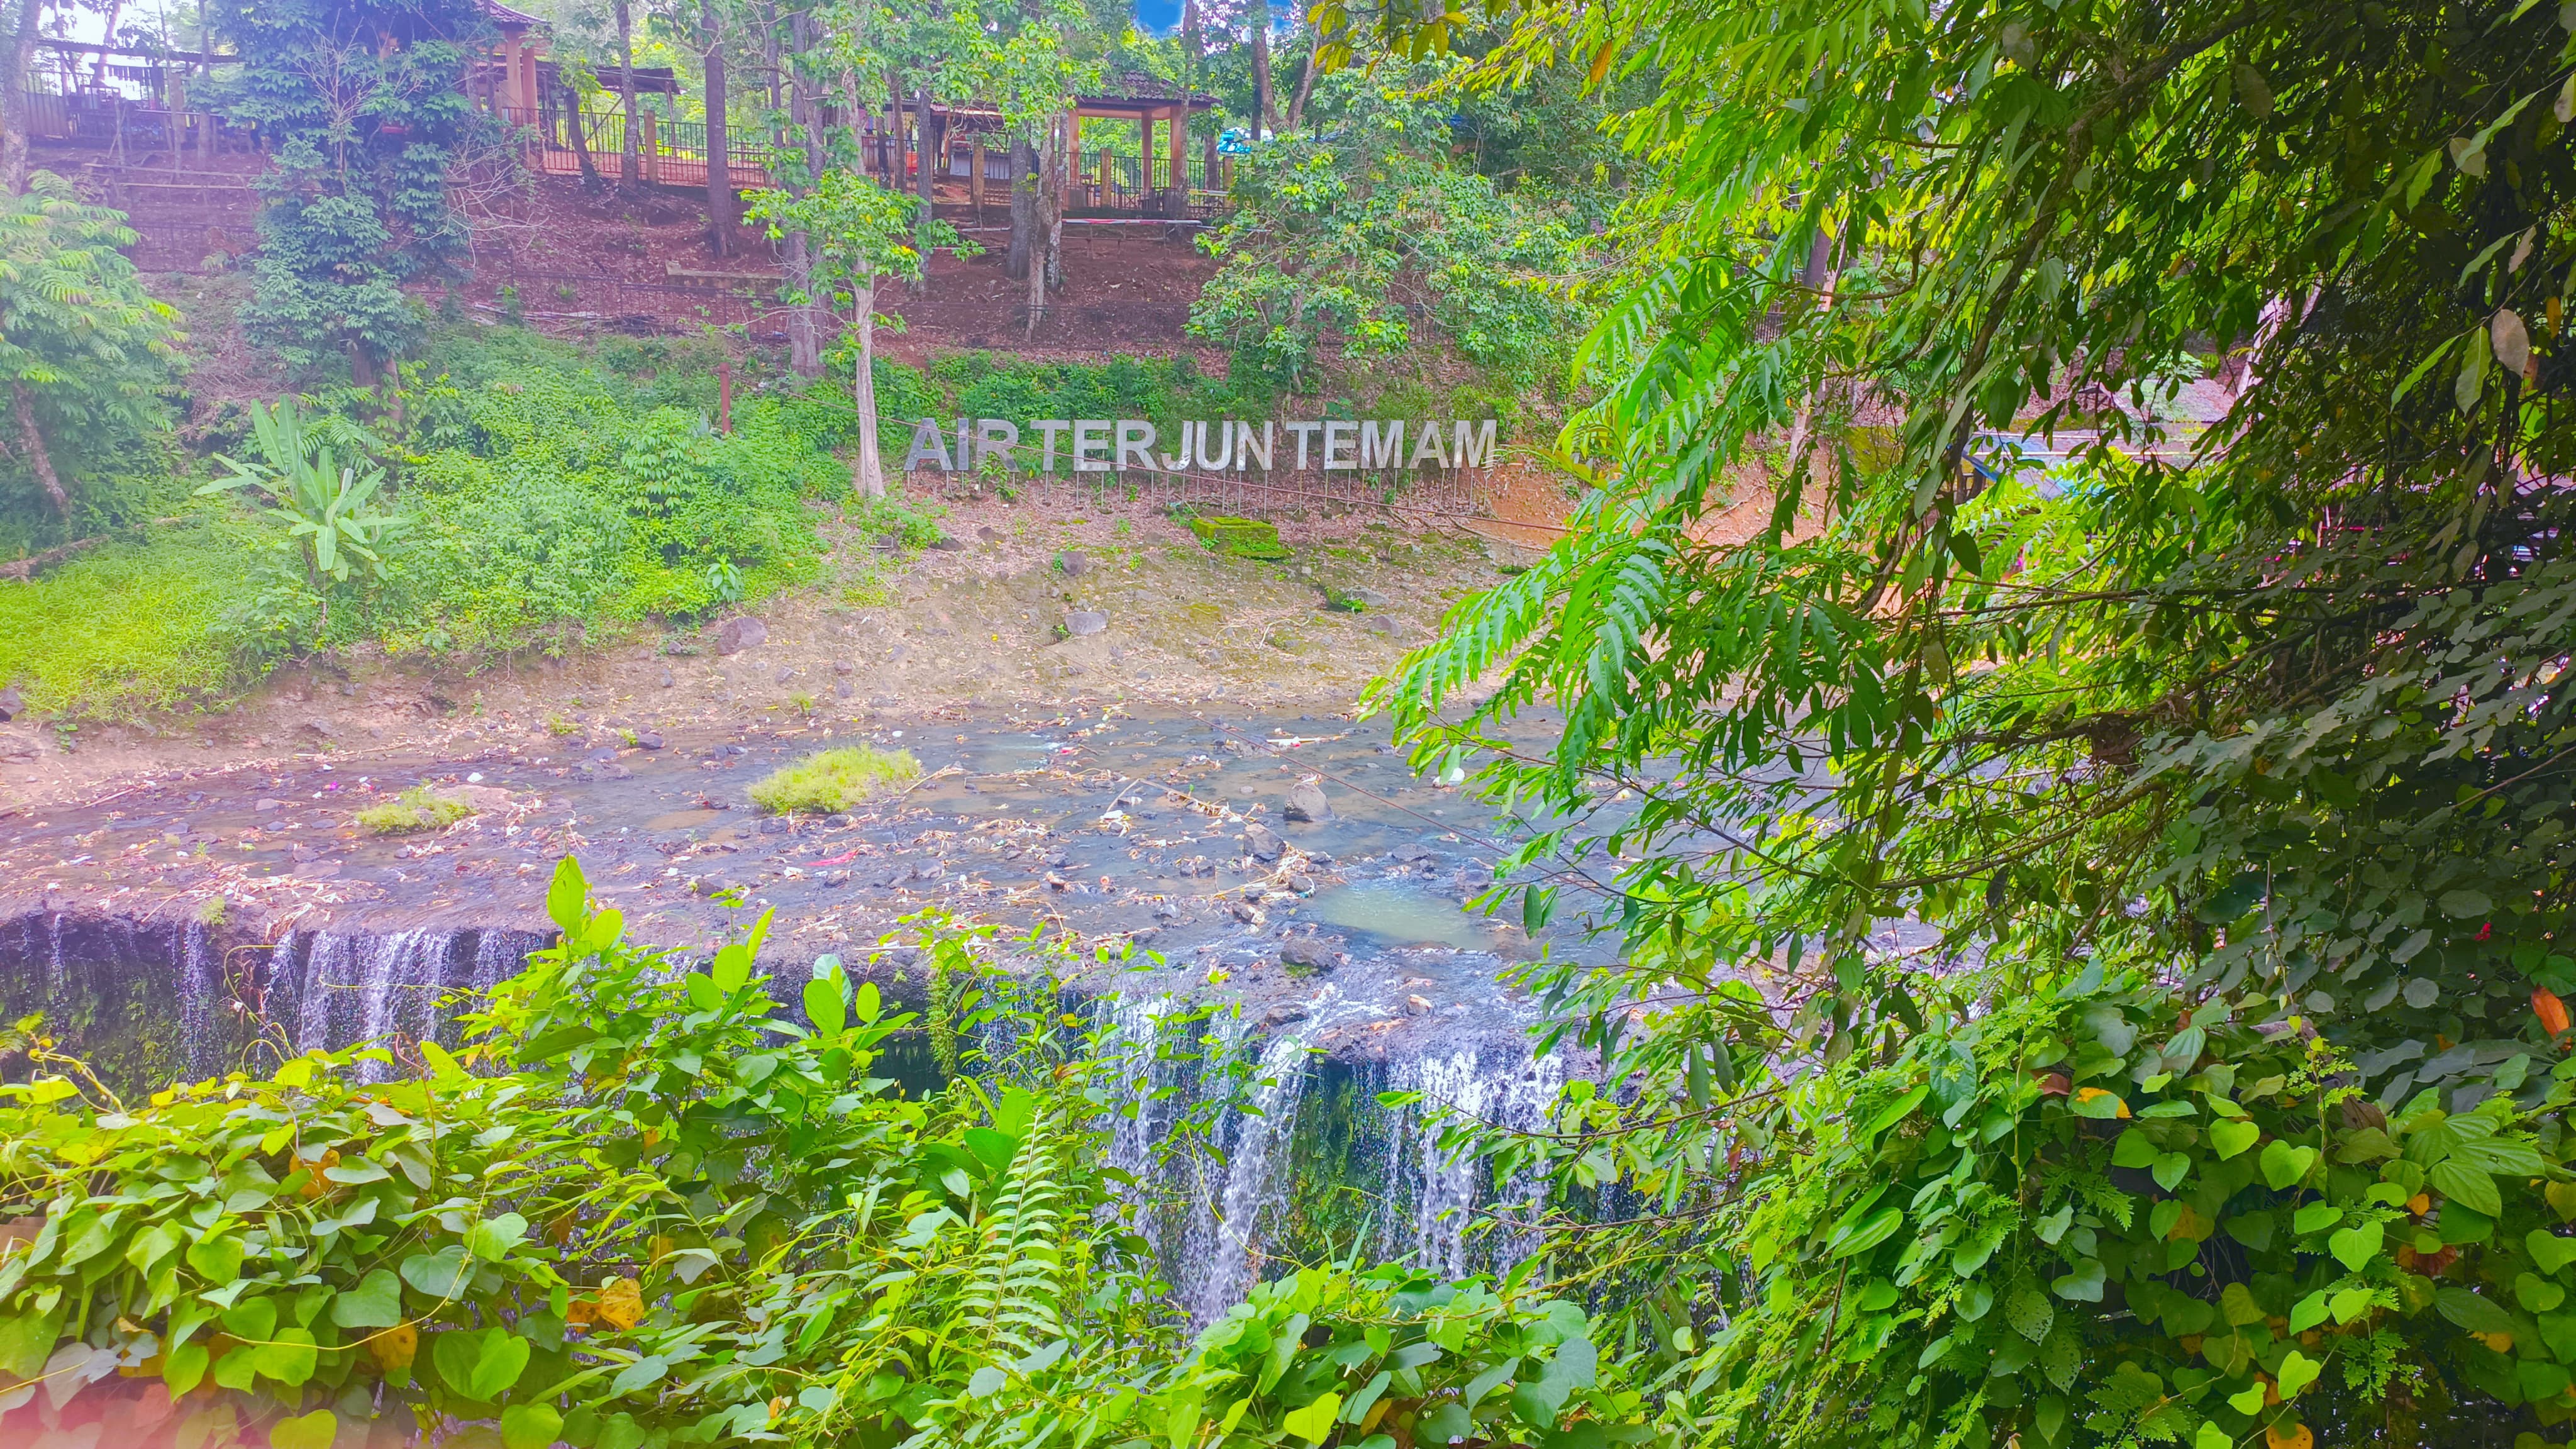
(1024, 192)
(719, 161)
(32, 438)
(870, 480)
(1264, 88)
(1058, 177)
(921, 144)
(580, 142)
(630, 161)
(1306, 82)
(805, 318)
(13, 96)
(107, 37)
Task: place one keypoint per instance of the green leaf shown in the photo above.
(870, 1004)
(2308, 1312)
(986, 1382)
(1314, 1421)
(504, 1356)
(2537, 1294)
(1871, 1232)
(218, 1260)
(568, 898)
(530, 1426)
(2549, 1250)
(27, 1340)
(184, 1368)
(731, 968)
(824, 1006)
(2134, 1149)
(2297, 1372)
(2228, 1139)
(289, 1358)
(2355, 1245)
(2170, 1169)
(493, 1238)
(2028, 1310)
(2464, 905)
(315, 1430)
(2285, 1163)
(376, 1302)
(2315, 1217)
(2247, 1400)
(2350, 1303)
(2469, 1311)
(443, 1274)
(2460, 1181)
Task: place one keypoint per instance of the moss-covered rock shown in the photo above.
(1241, 538)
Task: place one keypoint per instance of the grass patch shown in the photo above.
(833, 780)
(418, 808)
(130, 627)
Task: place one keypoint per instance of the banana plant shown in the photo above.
(329, 507)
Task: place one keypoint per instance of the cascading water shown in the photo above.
(1499, 1083)
(1231, 1264)
(201, 990)
(1220, 1206)
(338, 990)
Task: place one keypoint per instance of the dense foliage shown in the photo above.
(2241, 727)
(89, 356)
(368, 128)
(1370, 246)
(643, 1206)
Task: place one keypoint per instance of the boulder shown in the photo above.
(740, 632)
(1073, 563)
(1264, 842)
(1311, 953)
(12, 704)
(648, 739)
(1306, 802)
(1084, 622)
(663, 678)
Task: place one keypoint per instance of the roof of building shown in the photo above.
(507, 18)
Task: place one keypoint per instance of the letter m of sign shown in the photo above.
(1474, 449)
(1382, 449)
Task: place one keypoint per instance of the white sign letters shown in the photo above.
(1229, 445)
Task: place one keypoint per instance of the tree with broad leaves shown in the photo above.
(859, 235)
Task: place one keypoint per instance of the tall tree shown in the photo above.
(630, 169)
(720, 197)
(862, 235)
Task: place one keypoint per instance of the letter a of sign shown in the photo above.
(927, 447)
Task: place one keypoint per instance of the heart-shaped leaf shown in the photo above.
(1314, 1421)
(2228, 1139)
(2355, 1245)
(315, 1430)
(2297, 1372)
(2550, 1251)
(2350, 1303)
(2170, 1169)
(530, 1426)
(2316, 1217)
(2285, 1163)
(2308, 1312)
(2134, 1149)
(503, 1358)
(2537, 1294)
(2247, 1400)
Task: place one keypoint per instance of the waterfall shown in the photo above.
(201, 998)
(1230, 1266)
(340, 990)
(1433, 1193)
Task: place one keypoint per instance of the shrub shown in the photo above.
(1240, 537)
(415, 809)
(833, 780)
